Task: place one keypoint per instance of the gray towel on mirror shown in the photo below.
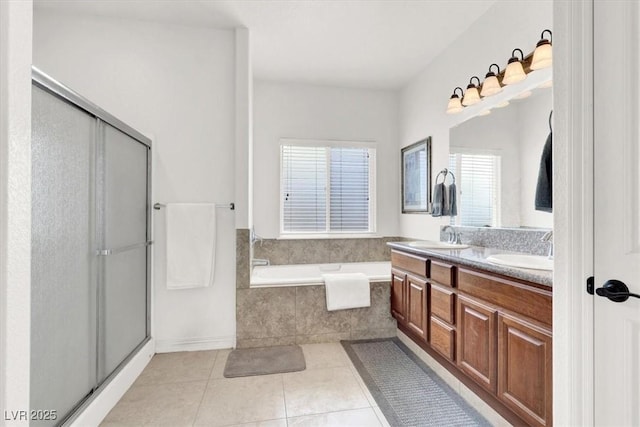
(544, 188)
(438, 200)
(453, 202)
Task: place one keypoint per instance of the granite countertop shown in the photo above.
(476, 256)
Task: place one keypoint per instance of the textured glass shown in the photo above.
(63, 341)
(124, 307)
(123, 220)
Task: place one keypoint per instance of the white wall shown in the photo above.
(15, 207)
(506, 25)
(177, 85)
(290, 110)
(517, 133)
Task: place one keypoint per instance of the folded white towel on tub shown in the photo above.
(191, 244)
(347, 290)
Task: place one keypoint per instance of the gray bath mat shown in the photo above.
(408, 392)
(245, 362)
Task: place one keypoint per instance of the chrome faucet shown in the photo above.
(454, 236)
(548, 238)
(261, 262)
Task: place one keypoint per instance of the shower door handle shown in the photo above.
(107, 252)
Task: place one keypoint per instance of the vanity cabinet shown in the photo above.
(524, 368)
(398, 292)
(491, 331)
(477, 341)
(417, 305)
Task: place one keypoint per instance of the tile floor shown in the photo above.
(188, 389)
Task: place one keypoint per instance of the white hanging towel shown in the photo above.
(347, 290)
(191, 244)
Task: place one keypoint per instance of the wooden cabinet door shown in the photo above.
(524, 369)
(476, 341)
(398, 302)
(417, 306)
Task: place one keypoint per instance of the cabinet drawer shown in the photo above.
(443, 303)
(411, 263)
(509, 295)
(443, 273)
(443, 338)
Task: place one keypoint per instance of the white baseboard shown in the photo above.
(195, 344)
(95, 412)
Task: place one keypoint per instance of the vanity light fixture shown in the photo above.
(491, 85)
(542, 56)
(514, 72)
(471, 95)
(454, 105)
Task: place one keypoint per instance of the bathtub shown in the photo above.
(311, 274)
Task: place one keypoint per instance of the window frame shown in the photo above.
(497, 202)
(328, 144)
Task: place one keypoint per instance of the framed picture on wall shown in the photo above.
(416, 177)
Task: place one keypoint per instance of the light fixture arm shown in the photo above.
(471, 81)
(550, 35)
(461, 91)
(513, 54)
(496, 73)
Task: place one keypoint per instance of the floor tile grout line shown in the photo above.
(213, 365)
(330, 412)
(206, 387)
(284, 400)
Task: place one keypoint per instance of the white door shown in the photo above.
(617, 209)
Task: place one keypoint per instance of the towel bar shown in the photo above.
(231, 206)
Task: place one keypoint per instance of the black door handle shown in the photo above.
(616, 291)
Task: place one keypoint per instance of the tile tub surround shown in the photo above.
(298, 315)
(243, 257)
(323, 251)
(509, 239)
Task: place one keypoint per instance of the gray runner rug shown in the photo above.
(407, 391)
(246, 362)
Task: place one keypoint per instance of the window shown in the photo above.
(477, 181)
(327, 187)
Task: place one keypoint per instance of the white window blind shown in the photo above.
(326, 189)
(477, 180)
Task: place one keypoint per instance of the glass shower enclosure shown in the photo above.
(91, 237)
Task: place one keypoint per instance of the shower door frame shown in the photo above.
(57, 89)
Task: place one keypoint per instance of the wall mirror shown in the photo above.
(416, 177)
(496, 159)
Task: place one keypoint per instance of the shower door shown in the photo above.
(90, 249)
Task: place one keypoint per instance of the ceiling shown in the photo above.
(352, 43)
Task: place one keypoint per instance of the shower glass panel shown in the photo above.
(63, 288)
(90, 248)
(123, 306)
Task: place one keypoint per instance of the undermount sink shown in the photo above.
(433, 244)
(536, 262)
